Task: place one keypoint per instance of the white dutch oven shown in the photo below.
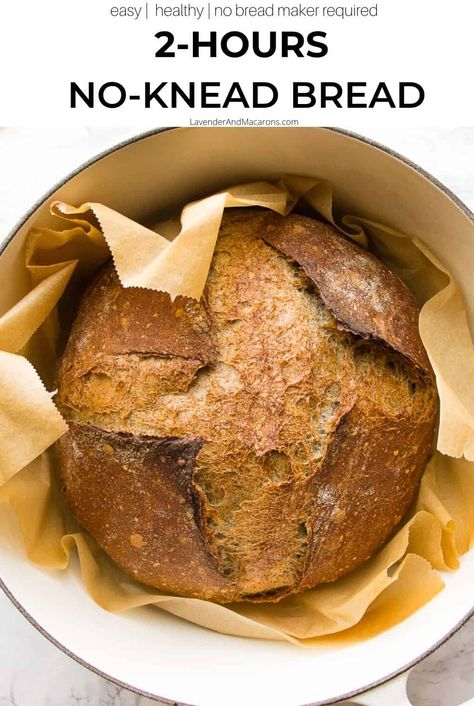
(147, 650)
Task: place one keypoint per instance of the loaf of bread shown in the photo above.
(265, 440)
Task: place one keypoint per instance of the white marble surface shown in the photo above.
(32, 671)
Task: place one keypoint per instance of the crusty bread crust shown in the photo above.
(263, 441)
(363, 294)
(143, 484)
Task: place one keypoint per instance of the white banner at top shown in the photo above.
(251, 62)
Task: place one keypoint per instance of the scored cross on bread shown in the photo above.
(263, 441)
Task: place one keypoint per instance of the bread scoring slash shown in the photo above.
(263, 441)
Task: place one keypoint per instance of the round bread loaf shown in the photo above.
(262, 441)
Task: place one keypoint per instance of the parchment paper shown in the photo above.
(398, 579)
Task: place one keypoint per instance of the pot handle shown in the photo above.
(391, 693)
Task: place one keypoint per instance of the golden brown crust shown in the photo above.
(134, 320)
(363, 294)
(256, 444)
(369, 478)
(140, 505)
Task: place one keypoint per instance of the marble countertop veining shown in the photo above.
(32, 671)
